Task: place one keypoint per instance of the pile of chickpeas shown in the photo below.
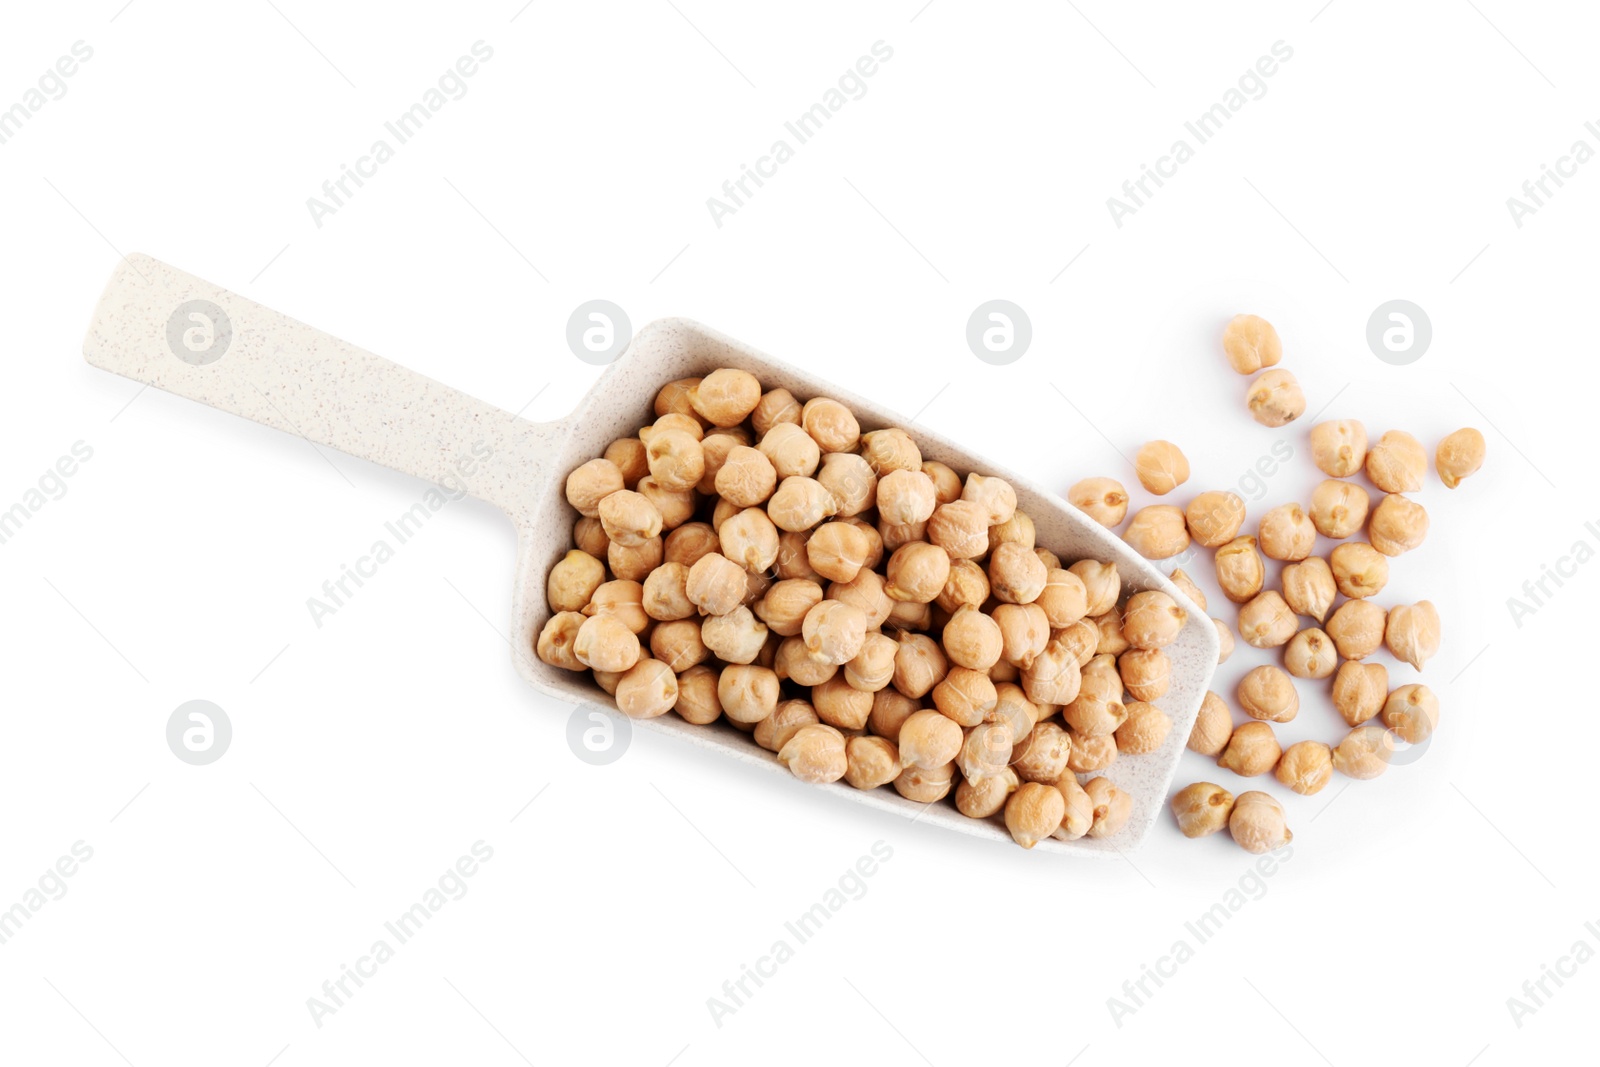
(1340, 635)
(862, 613)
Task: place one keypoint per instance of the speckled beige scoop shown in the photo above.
(158, 325)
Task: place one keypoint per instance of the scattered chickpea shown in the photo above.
(1364, 753)
(1267, 621)
(1339, 448)
(556, 638)
(832, 425)
(1251, 343)
(1311, 654)
(1144, 731)
(1460, 454)
(1102, 499)
(979, 798)
(1339, 509)
(1309, 587)
(1305, 767)
(1224, 640)
(1034, 812)
(1286, 533)
(1275, 398)
(871, 762)
(1214, 517)
(1151, 619)
(1252, 750)
(1359, 690)
(697, 699)
(591, 483)
(1213, 727)
(815, 753)
(1359, 570)
(1158, 532)
(1187, 587)
(1240, 569)
(1016, 574)
(1397, 463)
(1201, 809)
(1412, 632)
(1357, 628)
(1257, 823)
(1112, 807)
(1161, 467)
(1398, 525)
(573, 580)
(1412, 711)
(1268, 694)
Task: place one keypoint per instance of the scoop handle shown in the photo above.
(161, 326)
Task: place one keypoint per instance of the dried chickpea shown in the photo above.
(1364, 753)
(590, 536)
(750, 539)
(800, 503)
(792, 560)
(1064, 599)
(1145, 672)
(1398, 525)
(1102, 585)
(1309, 588)
(1112, 807)
(850, 481)
(1251, 343)
(676, 505)
(634, 562)
(1397, 463)
(793, 663)
(748, 693)
(723, 511)
(1024, 633)
(677, 459)
(946, 482)
(790, 451)
(689, 542)
(725, 397)
(1079, 812)
(1096, 716)
(629, 456)
(890, 450)
(1357, 628)
(966, 696)
(1013, 708)
(834, 632)
(628, 518)
(746, 477)
(1016, 574)
(972, 639)
(1305, 767)
(646, 690)
(1157, 532)
(1412, 711)
(605, 643)
(556, 639)
(919, 665)
(1359, 570)
(1257, 823)
(1091, 754)
(1412, 632)
(865, 591)
(979, 798)
(776, 406)
(573, 580)
(716, 585)
(1034, 812)
(1275, 398)
(1311, 654)
(1252, 750)
(1018, 529)
(985, 751)
(1145, 729)
(815, 753)
(697, 697)
(1267, 693)
(1151, 619)
(623, 600)
(961, 528)
(928, 739)
(1266, 621)
(1339, 448)
(923, 786)
(1110, 629)
(838, 550)
(1213, 727)
(894, 537)
(1459, 455)
(840, 704)
(1042, 754)
(1240, 569)
(1359, 690)
(872, 668)
(1201, 809)
(995, 495)
(678, 644)
(1161, 467)
(1214, 517)
(905, 497)
(871, 762)
(1286, 533)
(591, 483)
(773, 732)
(831, 425)
(1053, 677)
(890, 709)
(735, 637)
(671, 422)
(674, 397)
(1102, 499)
(1338, 509)
(908, 615)
(1224, 640)
(1187, 587)
(784, 606)
(917, 572)
(874, 554)
(967, 585)
(1081, 640)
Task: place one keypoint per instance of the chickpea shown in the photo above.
(1146, 672)
(556, 638)
(1359, 690)
(890, 709)
(867, 592)
(646, 690)
(1201, 809)
(1152, 619)
(1309, 587)
(634, 562)
(1102, 499)
(850, 481)
(1110, 634)
(995, 495)
(1042, 754)
(961, 528)
(1311, 654)
(871, 762)
(1275, 398)
(1064, 598)
(967, 585)
(573, 580)
(1357, 628)
(1240, 569)
(1112, 807)
(590, 536)
(735, 637)
(676, 505)
(815, 753)
(894, 537)
(1081, 640)
(1412, 711)
(1224, 640)
(1268, 694)
(1024, 633)
(1161, 467)
(725, 397)
(800, 503)
(917, 572)
(986, 750)
(677, 459)
(1091, 754)
(929, 739)
(1250, 343)
(1053, 677)
(834, 632)
(925, 786)
(966, 696)
(874, 554)
(1214, 518)
(1257, 823)
(773, 732)
(750, 539)
(1359, 570)
(1034, 812)
(1397, 463)
(1266, 621)
(689, 542)
(629, 455)
(979, 798)
(1013, 708)
(1144, 731)
(972, 639)
(919, 665)
(1397, 525)
(748, 693)
(1102, 585)
(1157, 532)
(746, 477)
(1096, 715)
(786, 603)
(890, 450)
(1412, 632)
(873, 667)
(840, 704)
(679, 644)
(837, 550)
(1187, 587)
(1018, 529)
(1016, 574)
(591, 483)
(831, 424)
(1364, 753)
(1305, 767)
(623, 600)
(905, 497)
(776, 406)
(1252, 750)
(604, 643)
(1213, 727)
(946, 482)
(790, 451)
(1079, 811)
(673, 398)
(1338, 509)
(907, 615)
(1459, 455)
(716, 584)
(697, 697)
(1339, 448)
(723, 511)
(1287, 533)
(628, 518)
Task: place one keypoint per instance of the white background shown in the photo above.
(370, 753)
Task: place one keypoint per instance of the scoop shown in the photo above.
(163, 327)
